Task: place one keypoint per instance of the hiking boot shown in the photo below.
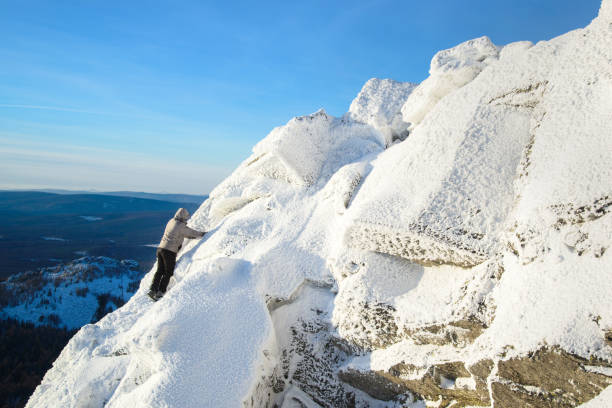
(153, 295)
(159, 295)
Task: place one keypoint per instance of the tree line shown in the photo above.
(26, 354)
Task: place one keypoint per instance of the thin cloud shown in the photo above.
(103, 170)
(52, 108)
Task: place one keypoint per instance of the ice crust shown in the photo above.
(450, 70)
(495, 208)
(379, 104)
(605, 11)
(506, 143)
(313, 147)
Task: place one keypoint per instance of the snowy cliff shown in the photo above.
(440, 244)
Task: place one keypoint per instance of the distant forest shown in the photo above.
(26, 353)
(42, 229)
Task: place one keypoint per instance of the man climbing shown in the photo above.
(172, 240)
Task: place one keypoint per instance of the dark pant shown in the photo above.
(165, 268)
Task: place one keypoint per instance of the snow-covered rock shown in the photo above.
(468, 265)
(316, 146)
(605, 12)
(449, 70)
(379, 104)
(478, 149)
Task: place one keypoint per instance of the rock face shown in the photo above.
(450, 70)
(304, 160)
(466, 265)
(545, 378)
(379, 104)
(549, 377)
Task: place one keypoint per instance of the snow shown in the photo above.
(157, 352)
(180, 334)
(601, 370)
(315, 146)
(296, 398)
(379, 104)
(450, 70)
(495, 208)
(69, 291)
(465, 383)
(601, 401)
(537, 287)
(455, 181)
(467, 153)
(605, 11)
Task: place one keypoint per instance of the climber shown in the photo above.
(172, 240)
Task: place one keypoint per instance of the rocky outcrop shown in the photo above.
(376, 325)
(419, 243)
(459, 333)
(549, 377)
(379, 104)
(309, 354)
(445, 384)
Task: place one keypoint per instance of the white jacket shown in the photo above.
(177, 230)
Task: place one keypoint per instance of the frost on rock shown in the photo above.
(501, 143)
(316, 145)
(450, 70)
(443, 194)
(379, 104)
(455, 268)
(383, 300)
(605, 11)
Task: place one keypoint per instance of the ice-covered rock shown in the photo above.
(379, 104)
(477, 148)
(315, 146)
(450, 70)
(467, 154)
(605, 11)
(458, 267)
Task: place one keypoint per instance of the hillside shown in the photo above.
(40, 310)
(69, 295)
(440, 245)
(39, 229)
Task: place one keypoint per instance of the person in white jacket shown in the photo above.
(172, 240)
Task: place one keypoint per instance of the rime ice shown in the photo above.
(333, 250)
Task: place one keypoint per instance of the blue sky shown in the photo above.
(170, 96)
